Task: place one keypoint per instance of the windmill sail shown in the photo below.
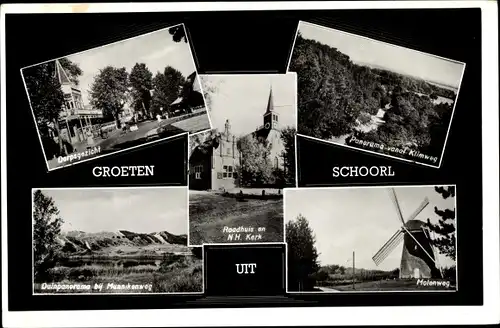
(394, 199)
(431, 236)
(419, 209)
(388, 247)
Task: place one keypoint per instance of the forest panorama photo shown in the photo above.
(372, 95)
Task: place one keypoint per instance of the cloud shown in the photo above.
(160, 53)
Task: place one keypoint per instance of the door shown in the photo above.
(416, 273)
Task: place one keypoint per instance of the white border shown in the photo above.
(294, 316)
(127, 149)
(396, 46)
(296, 169)
(120, 294)
(380, 291)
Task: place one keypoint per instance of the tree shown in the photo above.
(161, 100)
(445, 228)
(178, 33)
(46, 96)
(256, 168)
(211, 86)
(109, 90)
(46, 228)
(141, 81)
(288, 138)
(166, 88)
(73, 70)
(302, 254)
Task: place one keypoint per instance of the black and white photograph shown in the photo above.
(371, 239)
(116, 97)
(113, 241)
(374, 96)
(238, 170)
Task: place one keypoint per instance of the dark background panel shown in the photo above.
(252, 41)
(222, 278)
(169, 158)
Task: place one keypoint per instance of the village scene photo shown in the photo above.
(116, 97)
(238, 170)
(371, 239)
(113, 240)
(374, 96)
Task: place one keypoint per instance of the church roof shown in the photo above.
(270, 103)
(61, 75)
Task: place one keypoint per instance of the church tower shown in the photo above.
(270, 116)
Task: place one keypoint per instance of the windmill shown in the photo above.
(418, 259)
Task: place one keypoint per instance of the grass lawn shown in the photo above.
(194, 124)
(209, 213)
(390, 285)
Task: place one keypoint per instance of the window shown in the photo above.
(228, 151)
(276, 162)
(197, 171)
(227, 172)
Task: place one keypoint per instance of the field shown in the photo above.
(184, 275)
(157, 262)
(209, 213)
(389, 285)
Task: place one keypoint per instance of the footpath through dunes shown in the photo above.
(210, 212)
(121, 243)
(327, 289)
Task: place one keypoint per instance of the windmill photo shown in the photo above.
(418, 259)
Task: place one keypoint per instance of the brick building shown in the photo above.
(213, 164)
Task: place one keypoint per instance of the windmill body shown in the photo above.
(415, 263)
(417, 258)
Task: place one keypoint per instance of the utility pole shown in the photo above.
(353, 272)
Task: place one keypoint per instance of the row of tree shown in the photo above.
(150, 95)
(304, 269)
(334, 94)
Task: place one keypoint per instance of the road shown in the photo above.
(118, 140)
(121, 137)
(114, 138)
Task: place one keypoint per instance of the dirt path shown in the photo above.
(328, 290)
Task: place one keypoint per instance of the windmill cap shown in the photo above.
(414, 224)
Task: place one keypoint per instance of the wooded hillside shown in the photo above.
(336, 97)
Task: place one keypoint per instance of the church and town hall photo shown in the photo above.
(116, 97)
(237, 170)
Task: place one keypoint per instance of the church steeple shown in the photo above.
(270, 116)
(270, 103)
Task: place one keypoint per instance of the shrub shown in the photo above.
(364, 118)
(168, 260)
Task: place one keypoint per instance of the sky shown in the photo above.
(402, 60)
(360, 220)
(142, 210)
(157, 50)
(243, 100)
